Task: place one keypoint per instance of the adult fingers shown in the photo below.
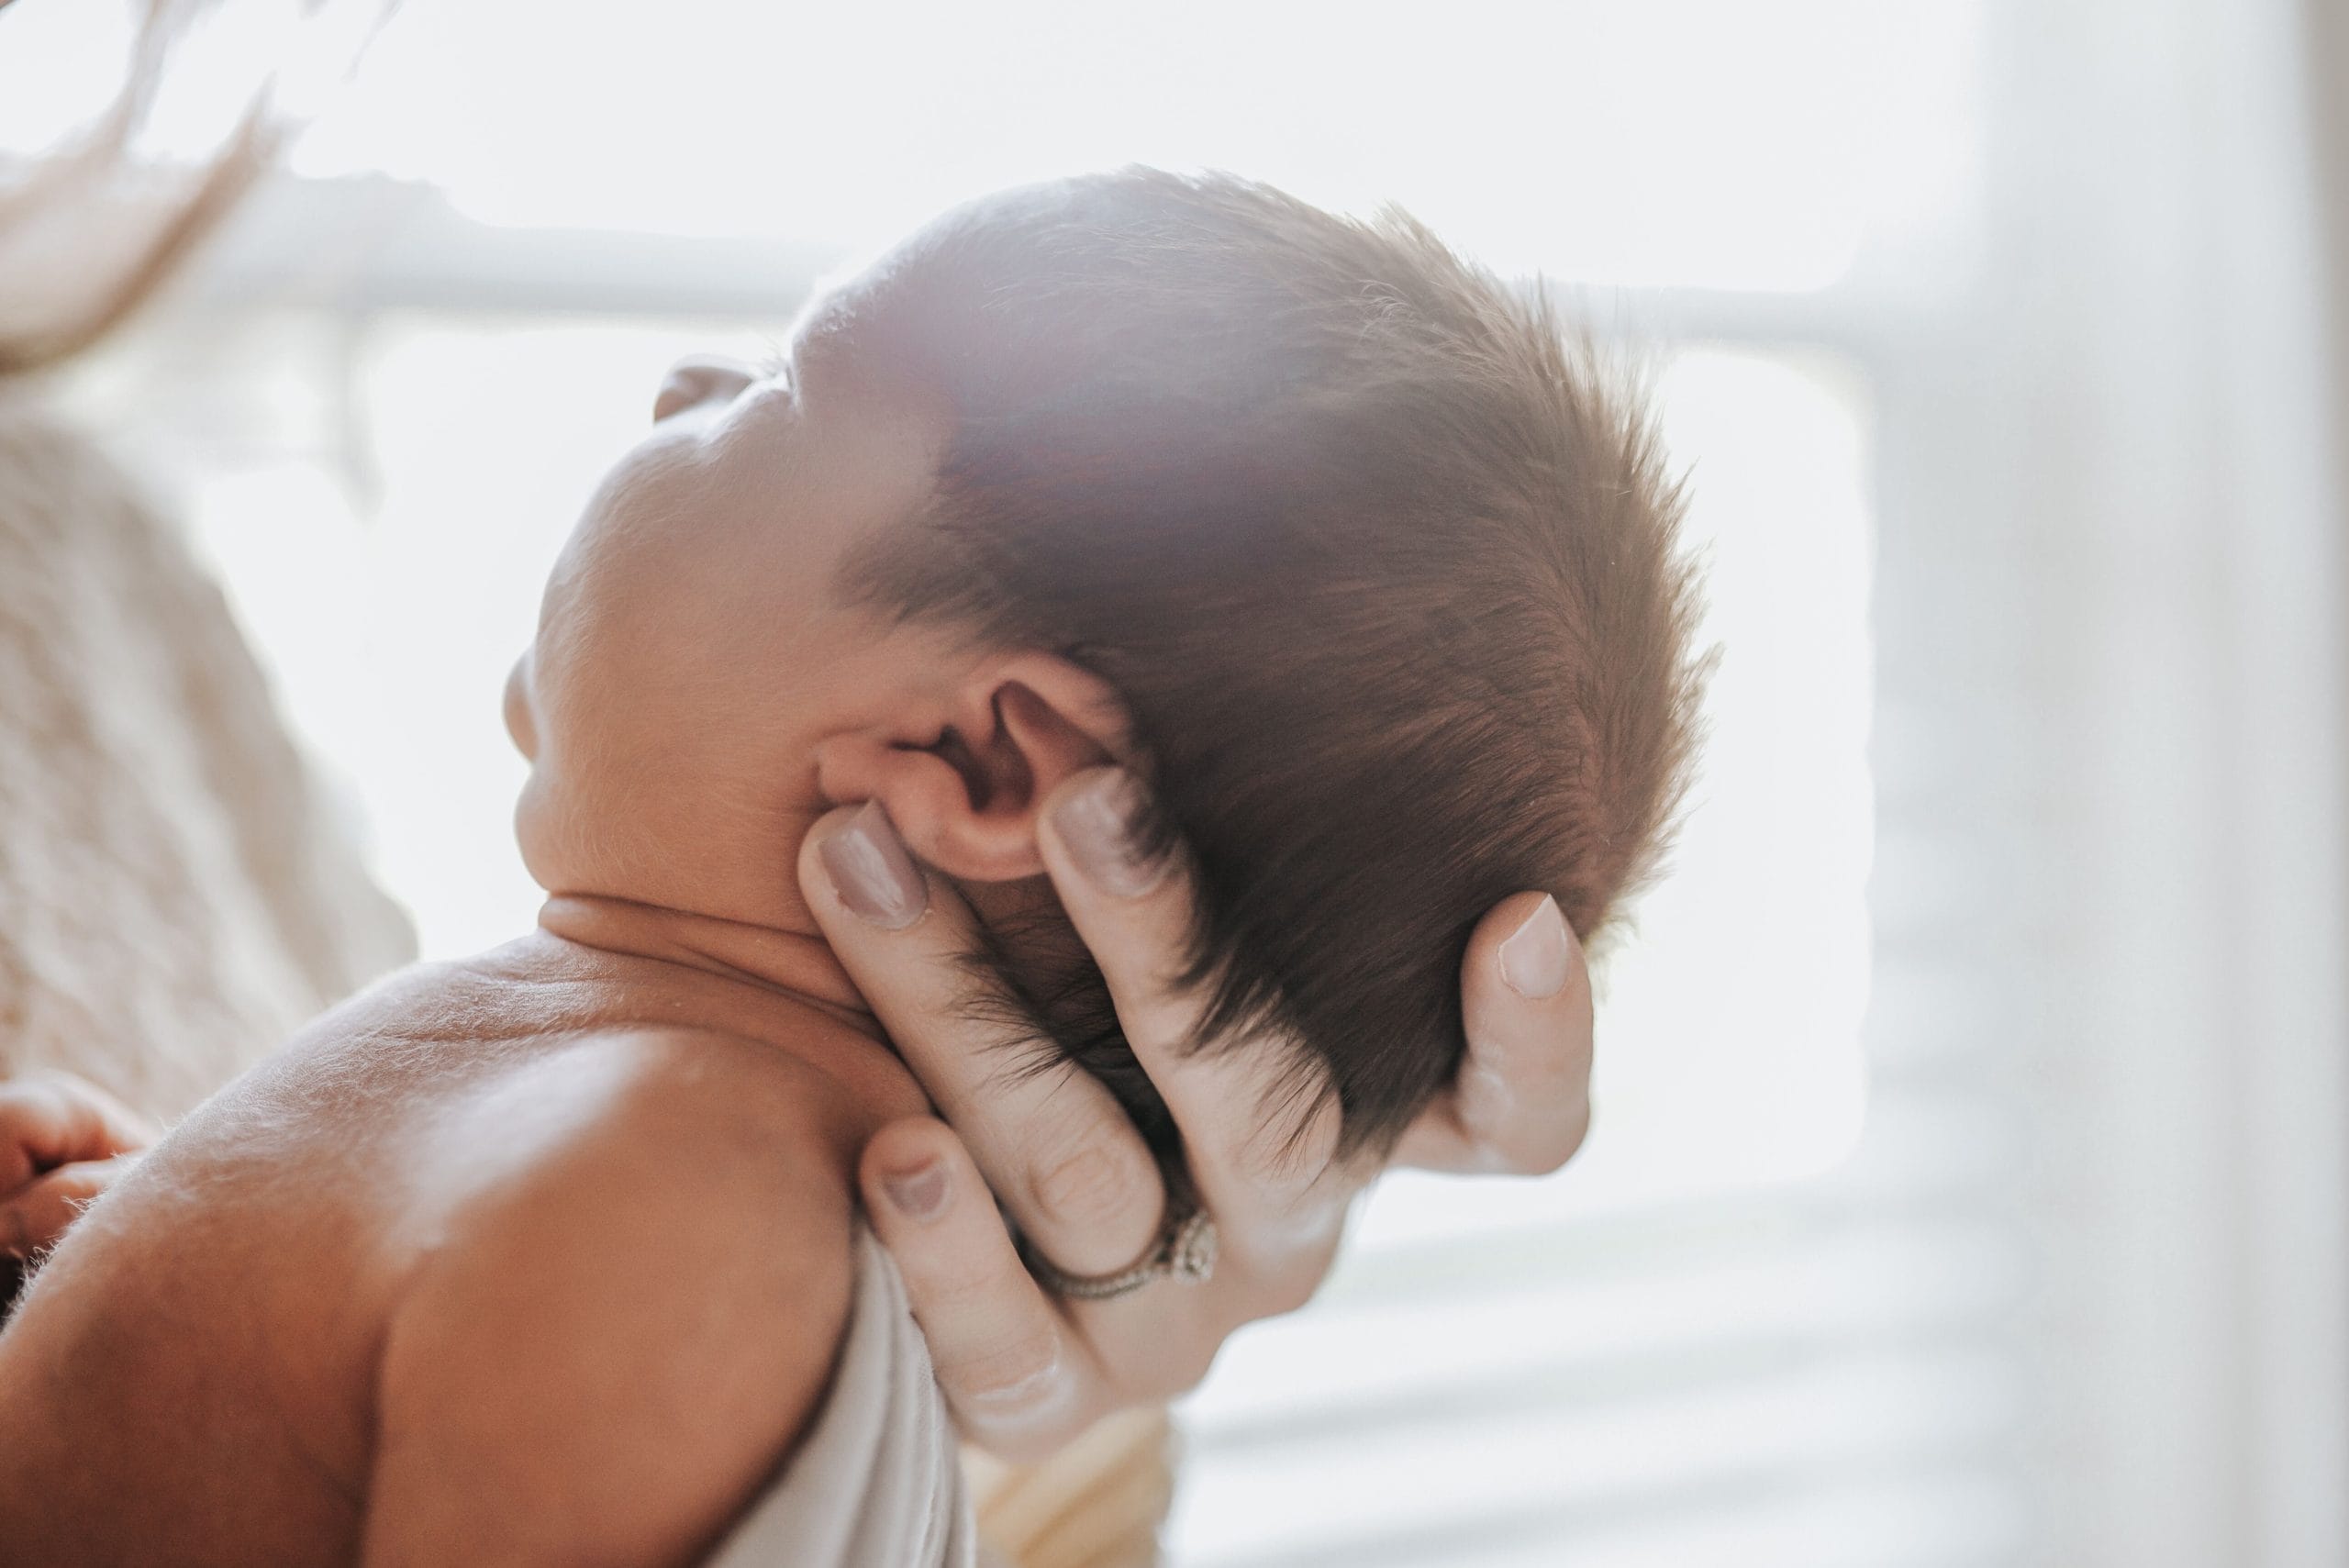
(1257, 1134)
(1019, 1383)
(39, 1214)
(1521, 1102)
(1023, 1371)
(1054, 1144)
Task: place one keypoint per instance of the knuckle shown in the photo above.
(1161, 1004)
(1022, 1392)
(1157, 1015)
(944, 1285)
(1095, 1181)
(1008, 1376)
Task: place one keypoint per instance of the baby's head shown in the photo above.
(1346, 549)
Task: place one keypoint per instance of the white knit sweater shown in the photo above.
(174, 897)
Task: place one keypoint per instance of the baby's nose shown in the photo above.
(696, 379)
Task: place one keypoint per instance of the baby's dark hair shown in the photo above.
(1379, 555)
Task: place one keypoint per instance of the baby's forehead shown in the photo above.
(929, 303)
(838, 331)
(857, 342)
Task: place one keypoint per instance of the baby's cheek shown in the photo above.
(519, 722)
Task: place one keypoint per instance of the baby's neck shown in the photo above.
(795, 967)
(631, 964)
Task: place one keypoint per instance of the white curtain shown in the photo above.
(2111, 763)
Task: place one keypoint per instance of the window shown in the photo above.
(1768, 1315)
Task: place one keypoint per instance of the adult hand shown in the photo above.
(1025, 1369)
(62, 1143)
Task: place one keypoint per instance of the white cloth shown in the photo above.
(877, 1483)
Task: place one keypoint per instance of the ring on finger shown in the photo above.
(1186, 1250)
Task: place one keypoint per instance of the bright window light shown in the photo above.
(1709, 143)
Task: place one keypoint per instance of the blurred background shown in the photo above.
(1967, 1180)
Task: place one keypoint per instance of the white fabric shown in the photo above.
(877, 1483)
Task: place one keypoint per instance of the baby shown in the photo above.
(547, 1256)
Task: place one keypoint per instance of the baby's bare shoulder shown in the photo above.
(630, 1306)
(700, 1105)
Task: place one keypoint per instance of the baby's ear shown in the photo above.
(965, 791)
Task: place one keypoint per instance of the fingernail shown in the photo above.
(917, 1193)
(1533, 960)
(1095, 821)
(873, 874)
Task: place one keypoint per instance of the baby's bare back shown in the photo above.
(199, 1373)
